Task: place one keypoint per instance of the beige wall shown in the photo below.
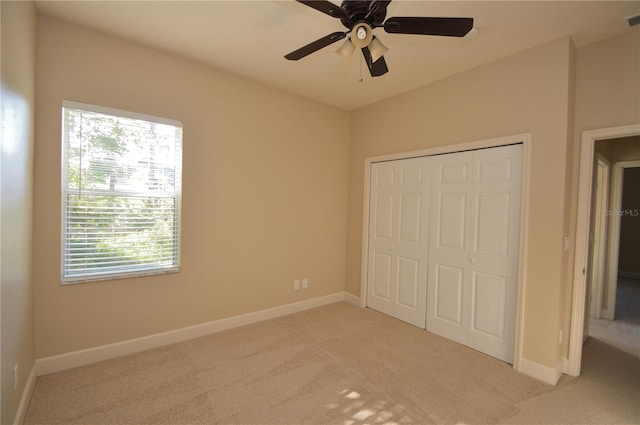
(17, 106)
(567, 232)
(264, 192)
(526, 93)
(625, 149)
(607, 95)
(607, 83)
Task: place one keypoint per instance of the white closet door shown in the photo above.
(398, 239)
(449, 265)
(495, 250)
(473, 250)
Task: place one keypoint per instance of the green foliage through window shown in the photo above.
(121, 188)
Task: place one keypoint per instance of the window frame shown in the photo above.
(64, 191)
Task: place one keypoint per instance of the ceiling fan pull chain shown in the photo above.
(360, 79)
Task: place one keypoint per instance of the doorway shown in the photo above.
(580, 299)
(617, 321)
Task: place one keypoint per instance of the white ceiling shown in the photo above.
(250, 38)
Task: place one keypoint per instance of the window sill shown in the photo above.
(119, 275)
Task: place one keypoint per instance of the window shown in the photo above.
(121, 181)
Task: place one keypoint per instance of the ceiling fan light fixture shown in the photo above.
(377, 49)
(346, 50)
(361, 35)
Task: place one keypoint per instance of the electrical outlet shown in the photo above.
(305, 283)
(15, 376)
(296, 284)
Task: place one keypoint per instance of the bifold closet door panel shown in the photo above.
(398, 237)
(473, 248)
(448, 263)
(495, 219)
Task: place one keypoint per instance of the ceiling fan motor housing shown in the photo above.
(357, 11)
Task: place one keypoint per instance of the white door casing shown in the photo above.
(598, 250)
(398, 239)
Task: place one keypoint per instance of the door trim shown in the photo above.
(581, 260)
(525, 140)
(599, 250)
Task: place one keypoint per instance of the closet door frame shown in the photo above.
(525, 140)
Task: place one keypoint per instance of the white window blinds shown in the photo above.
(121, 181)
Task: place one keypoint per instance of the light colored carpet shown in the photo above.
(607, 392)
(337, 364)
(620, 334)
(624, 332)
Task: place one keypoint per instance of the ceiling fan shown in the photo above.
(361, 17)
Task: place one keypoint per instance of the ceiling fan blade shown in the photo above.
(451, 27)
(315, 46)
(325, 6)
(376, 68)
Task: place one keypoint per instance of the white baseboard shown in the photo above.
(26, 395)
(565, 365)
(352, 299)
(543, 373)
(104, 352)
